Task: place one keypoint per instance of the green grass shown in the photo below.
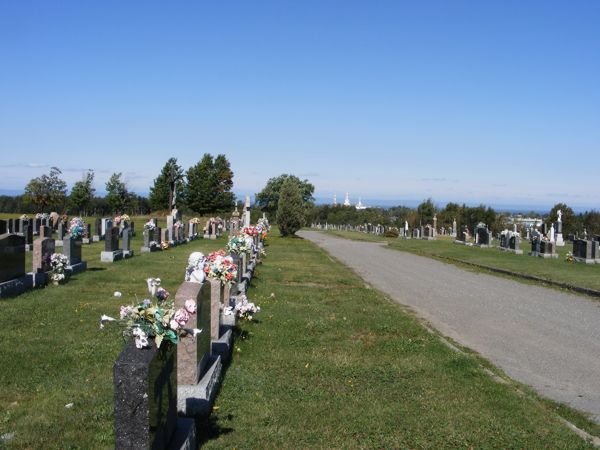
(557, 270)
(331, 363)
(53, 352)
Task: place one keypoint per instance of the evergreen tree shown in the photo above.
(200, 190)
(290, 208)
(426, 211)
(267, 199)
(47, 191)
(161, 190)
(224, 199)
(117, 195)
(82, 193)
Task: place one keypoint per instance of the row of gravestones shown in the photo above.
(173, 235)
(14, 278)
(158, 393)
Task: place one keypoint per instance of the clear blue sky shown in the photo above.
(497, 102)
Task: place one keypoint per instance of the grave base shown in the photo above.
(428, 238)
(559, 240)
(213, 236)
(58, 243)
(511, 250)
(77, 268)
(17, 286)
(584, 260)
(197, 400)
(40, 279)
(127, 253)
(222, 346)
(28, 247)
(206, 236)
(154, 248)
(111, 256)
(185, 435)
(85, 240)
(96, 238)
(459, 242)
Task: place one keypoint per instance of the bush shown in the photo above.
(290, 208)
(391, 233)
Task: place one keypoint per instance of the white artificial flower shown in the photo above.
(117, 294)
(105, 318)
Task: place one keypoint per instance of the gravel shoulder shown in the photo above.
(541, 337)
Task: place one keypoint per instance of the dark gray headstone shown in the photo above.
(145, 395)
(3, 227)
(111, 242)
(72, 250)
(61, 230)
(126, 242)
(28, 233)
(98, 226)
(12, 256)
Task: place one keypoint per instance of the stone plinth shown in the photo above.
(111, 256)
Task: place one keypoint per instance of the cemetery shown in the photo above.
(176, 272)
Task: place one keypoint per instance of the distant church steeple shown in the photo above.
(347, 200)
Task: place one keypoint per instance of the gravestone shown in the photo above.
(43, 247)
(126, 242)
(150, 244)
(483, 237)
(145, 399)
(428, 233)
(111, 251)
(3, 227)
(72, 250)
(87, 233)
(198, 371)
(11, 225)
(586, 251)
(28, 235)
(547, 249)
(13, 279)
(97, 230)
(37, 223)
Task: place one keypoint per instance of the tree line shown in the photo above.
(205, 188)
(463, 214)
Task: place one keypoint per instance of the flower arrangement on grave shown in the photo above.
(164, 245)
(122, 219)
(239, 244)
(195, 220)
(250, 231)
(245, 309)
(149, 226)
(159, 320)
(194, 271)
(177, 225)
(220, 266)
(76, 228)
(569, 257)
(24, 217)
(58, 268)
(42, 216)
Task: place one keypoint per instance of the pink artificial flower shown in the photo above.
(181, 316)
(190, 306)
(173, 324)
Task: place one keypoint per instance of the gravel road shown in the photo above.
(542, 337)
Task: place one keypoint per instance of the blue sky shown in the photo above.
(465, 101)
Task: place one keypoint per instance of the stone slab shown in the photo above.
(198, 399)
(584, 260)
(16, 286)
(58, 243)
(127, 253)
(154, 248)
(222, 346)
(185, 435)
(111, 256)
(77, 268)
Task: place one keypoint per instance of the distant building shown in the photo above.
(359, 205)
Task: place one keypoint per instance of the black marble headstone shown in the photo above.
(145, 396)
(3, 227)
(12, 256)
(111, 242)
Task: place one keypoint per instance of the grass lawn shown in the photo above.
(330, 363)
(53, 353)
(583, 275)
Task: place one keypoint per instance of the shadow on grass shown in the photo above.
(208, 428)
(96, 269)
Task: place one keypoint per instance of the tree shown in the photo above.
(160, 192)
(117, 195)
(426, 211)
(200, 190)
(569, 220)
(224, 198)
(290, 208)
(47, 191)
(82, 193)
(267, 199)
